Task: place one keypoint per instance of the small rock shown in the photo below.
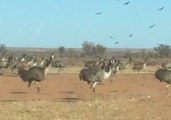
(89, 105)
(132, 98)
(149, 97)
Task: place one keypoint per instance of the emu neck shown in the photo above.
(47, 66)
(47, 70)
(144, 65)
(107, 74)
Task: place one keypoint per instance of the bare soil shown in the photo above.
(124, 96)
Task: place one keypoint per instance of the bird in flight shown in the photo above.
(111, 37)
(126, 3)
(98, 13)
(116, 42)
(161, 8)
(152, 26)
(130, 35)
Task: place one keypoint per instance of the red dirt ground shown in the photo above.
(131, 96)
(68, 86)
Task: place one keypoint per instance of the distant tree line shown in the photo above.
(95, 50)
(2, 49)
(90, 49)
(163, 50)
(160, 51)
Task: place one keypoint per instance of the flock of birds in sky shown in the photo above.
(130, 35)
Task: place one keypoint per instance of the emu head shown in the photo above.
(52, 56)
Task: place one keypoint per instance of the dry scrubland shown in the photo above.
(86, 110)
(130, 96)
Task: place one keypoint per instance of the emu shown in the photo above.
(95, 75)
(35, 74)
(59, 65)
(164, 75)
(166, 65)
(20, 63)
(140, 66)
(93, 63)
(5, 63)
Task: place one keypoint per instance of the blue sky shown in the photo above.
(68, 23)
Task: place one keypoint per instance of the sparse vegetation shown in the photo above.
(90, 49)
(163, 50)
(2, 48)
(117, 103)
(61, 51)
(85, 110)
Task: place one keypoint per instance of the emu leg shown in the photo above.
(29, 84)
(93, 91)
(38, 89)
(34, 82)
(167, 86)
(93, 94)
(59, 69)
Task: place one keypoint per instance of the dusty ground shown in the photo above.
(129, 96)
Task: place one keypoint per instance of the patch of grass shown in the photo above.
(41, 110)
(127, 109)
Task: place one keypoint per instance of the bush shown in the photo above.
(163, 50)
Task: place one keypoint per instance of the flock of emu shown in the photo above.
(32, 71)
(28, 67)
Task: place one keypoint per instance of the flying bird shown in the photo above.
(98, 13)
(152, 26)
(111, 37)
(126, 3)
(130, 35)
(161, 8)
(116, 42)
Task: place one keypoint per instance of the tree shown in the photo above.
(91, 49)
(2, 48)
(143, 52)
(163, 50)
(127, 54)
(61, 50)
(100, 49)
(88, 48)
(71, 52)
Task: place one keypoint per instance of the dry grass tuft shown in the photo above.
(130, 109)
